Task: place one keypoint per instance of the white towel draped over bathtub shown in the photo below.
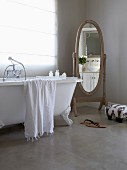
(40, 102)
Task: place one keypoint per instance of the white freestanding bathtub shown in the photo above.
(12, 100)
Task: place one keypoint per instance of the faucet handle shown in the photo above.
(9, 73)
(17, 73)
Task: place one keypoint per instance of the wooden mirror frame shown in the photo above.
(81, 95)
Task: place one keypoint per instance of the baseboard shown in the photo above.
(90, 104)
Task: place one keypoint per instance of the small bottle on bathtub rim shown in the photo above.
(50, 74)
(57, 74)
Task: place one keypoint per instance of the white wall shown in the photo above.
(111, 16)
(70, 15)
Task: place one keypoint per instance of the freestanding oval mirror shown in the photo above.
(89, 64)
(89, 53)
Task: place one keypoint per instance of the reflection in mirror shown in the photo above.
(89, 57)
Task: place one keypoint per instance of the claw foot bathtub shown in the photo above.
(13, 106)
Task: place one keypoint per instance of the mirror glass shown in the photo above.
(89, 53)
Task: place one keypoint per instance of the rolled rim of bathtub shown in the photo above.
(21, 81)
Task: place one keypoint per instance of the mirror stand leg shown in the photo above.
(103, 102)
(75, 107)
(100, 106)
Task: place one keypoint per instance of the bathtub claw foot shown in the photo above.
(1, 124)
(65, 115)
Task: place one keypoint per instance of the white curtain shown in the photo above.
(28, 31)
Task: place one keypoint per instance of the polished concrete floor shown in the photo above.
(70, 148)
